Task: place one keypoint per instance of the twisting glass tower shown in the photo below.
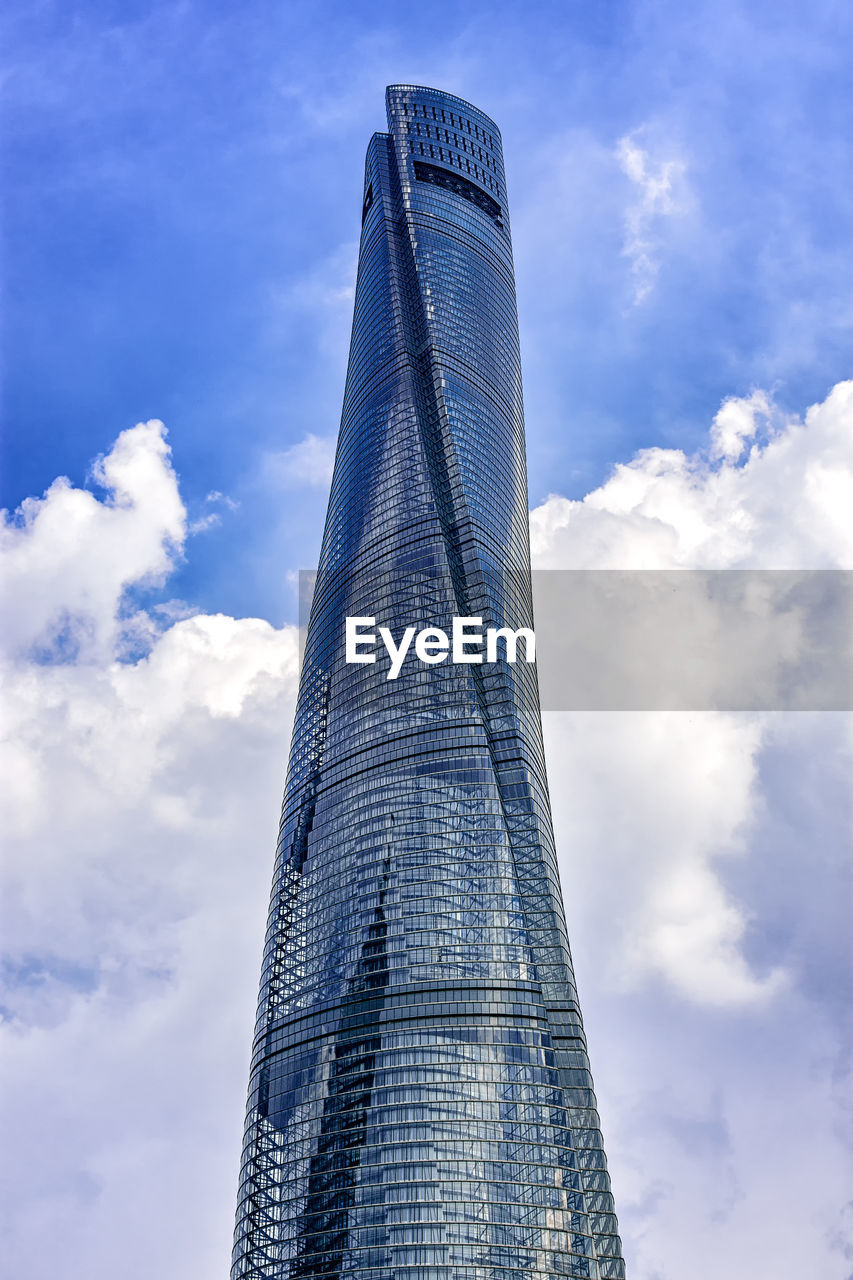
(420, 1104)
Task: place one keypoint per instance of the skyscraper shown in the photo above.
(420, 1103)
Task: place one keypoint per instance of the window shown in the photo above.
(459, 186)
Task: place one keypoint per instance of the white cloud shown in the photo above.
(203, 523)
(700, 870)
(67, 557)
(694, 779)
(660, 192)
(703, 859)
(212, 519)
(737, 422)
(215, 496)
(141, 801)
(697, 1097)
(786, 507)
(664, 799)
(309, 462)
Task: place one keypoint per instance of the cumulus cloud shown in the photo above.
(703, 857)
(666, 799)
(141, 798)
(68, 557)
(700, 856)
(737, 423)
(786, 506)
(660, 193)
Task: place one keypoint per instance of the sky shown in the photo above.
(180, 245)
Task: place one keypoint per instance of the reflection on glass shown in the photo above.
(420, 1104)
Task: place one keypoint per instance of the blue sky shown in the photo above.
(184, 230)
(180, 249)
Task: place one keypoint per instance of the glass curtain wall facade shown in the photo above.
(420, 1103)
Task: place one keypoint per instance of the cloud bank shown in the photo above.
(141, 795)
(702, 861)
